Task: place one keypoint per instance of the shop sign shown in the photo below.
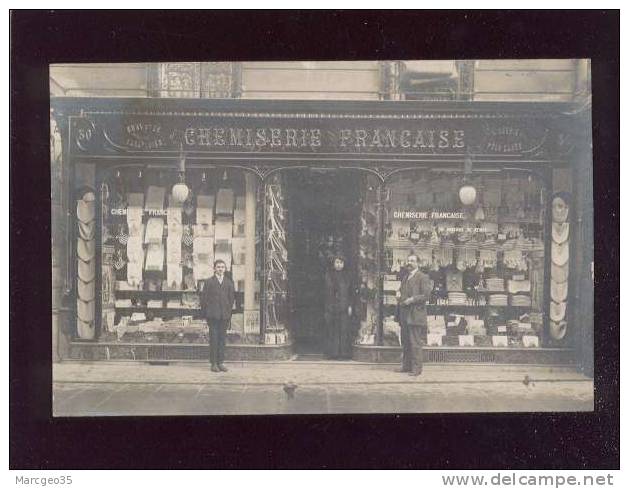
(314, 134)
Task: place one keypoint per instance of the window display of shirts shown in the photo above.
(155, 198)
(155, 258)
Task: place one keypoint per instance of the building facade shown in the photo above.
(482, 169)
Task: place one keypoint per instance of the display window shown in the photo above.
(156, 248)
(485, 257)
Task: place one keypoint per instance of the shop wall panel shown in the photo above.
(265, 83)
(97, 80)
(522, 97)
(541, 82)
(310, 65)
(526, 64)
(310, 96)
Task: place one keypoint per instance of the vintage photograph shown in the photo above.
(322, 237)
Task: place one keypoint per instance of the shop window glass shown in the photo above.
(368, 294)
(485, 259)
(155, 252)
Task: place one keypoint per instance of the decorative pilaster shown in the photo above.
(465, 68)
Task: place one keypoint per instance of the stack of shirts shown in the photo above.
(457, 298)
(436, 325)
(514, 259)
(498, 299)
(488, 258)
(154, 304)
(476, 327)
(123, 303)
(495, 284)
(515, 286)
(521, 300)
(173, 304)
(466, 258)
(154, 326)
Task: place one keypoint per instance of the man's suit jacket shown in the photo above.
(418, 289)
(217, 299)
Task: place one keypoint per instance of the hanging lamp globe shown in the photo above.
(180, 192)
(467, 194)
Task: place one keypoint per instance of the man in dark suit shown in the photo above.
(413, 296)
(217, 301)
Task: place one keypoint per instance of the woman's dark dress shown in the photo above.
(339, 331)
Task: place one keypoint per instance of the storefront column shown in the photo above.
(380, 262)
(251, 313)
(60, 194)
(584, 246)
(263, 265)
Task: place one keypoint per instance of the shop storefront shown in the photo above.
(482, 193)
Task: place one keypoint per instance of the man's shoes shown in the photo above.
(214, 368)
(222, 367)
(415, 373)
(402, 370)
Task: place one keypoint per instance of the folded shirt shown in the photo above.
(155, 258)
(154, 231)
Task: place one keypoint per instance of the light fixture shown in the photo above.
(180, 189)
(467, 192)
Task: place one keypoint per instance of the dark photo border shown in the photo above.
(434, 441)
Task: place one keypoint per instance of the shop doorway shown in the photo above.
(324, 219)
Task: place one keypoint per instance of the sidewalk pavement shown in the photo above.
(189, 388)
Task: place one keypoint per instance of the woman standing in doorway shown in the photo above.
(339, 298)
